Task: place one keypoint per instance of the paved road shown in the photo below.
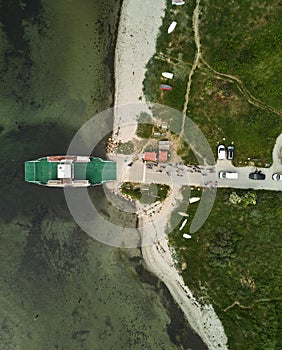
(201, 176)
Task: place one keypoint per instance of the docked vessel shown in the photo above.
(69, 171)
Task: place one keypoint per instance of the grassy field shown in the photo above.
(236, 257)
(218, 107)
(175, 52)
(218, 104)
(243, 38)
(145, 194)
(233, 260)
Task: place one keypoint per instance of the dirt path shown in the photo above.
(263, 300)
(198, 57)
(250, 98)
(197, 39)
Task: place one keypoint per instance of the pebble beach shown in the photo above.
(140, 22)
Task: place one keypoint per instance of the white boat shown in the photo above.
(182, 214)
(183, 224)
(167, 75)
(185, 235)
(178, 2)
(194, 199)
(172, 27)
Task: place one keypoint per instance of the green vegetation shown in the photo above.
(243, 38)
(145, 126)
(234, 258)
(132, 190)
(186, 153)
(234, 262)
(220, 105)
(249, 198)
(219, 109)
(144, 130)
(162, 191)
(126, 148)
(146, 194)
(175, 53)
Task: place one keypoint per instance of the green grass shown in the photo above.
(144, 130)
(220, 110)
(162, 191)
(126, 148)
(132, 190)
(146, 195)
(244, 38)
(175, 53)
(236, 256)
(217, 105)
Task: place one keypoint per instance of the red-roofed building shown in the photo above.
(150, 156)
(163, 156)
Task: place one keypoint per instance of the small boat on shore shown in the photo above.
(183, 224)
(178, 2)
(194, 199)
(172, 27)
(165, 87)
(167, 75)
(181, 213)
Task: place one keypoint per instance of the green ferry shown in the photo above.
(69, 171)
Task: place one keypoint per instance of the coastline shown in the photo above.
(134, 47)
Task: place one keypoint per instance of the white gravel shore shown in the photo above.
(139, 25)
(138, 29)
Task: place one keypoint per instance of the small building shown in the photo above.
(164, 146)
(164, 126)
(150, 156)
(163, 156)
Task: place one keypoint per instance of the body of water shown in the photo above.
(60, 289)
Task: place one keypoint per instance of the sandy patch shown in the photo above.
(139, 25)
(138, 29)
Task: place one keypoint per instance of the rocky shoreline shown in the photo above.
(135, 45)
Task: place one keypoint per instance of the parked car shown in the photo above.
(228, 175)
(277, 177)
(221, 152)
(257, 175)
(230, 152)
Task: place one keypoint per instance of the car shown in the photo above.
(228, 175)
(277, 177)
(230, 152)
(221, 152)
(257, 175)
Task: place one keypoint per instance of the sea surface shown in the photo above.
(60, 289)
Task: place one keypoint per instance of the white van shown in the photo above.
(228, 175)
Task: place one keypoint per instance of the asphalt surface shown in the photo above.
(132, 170)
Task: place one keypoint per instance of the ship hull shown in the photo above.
(69, 171)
